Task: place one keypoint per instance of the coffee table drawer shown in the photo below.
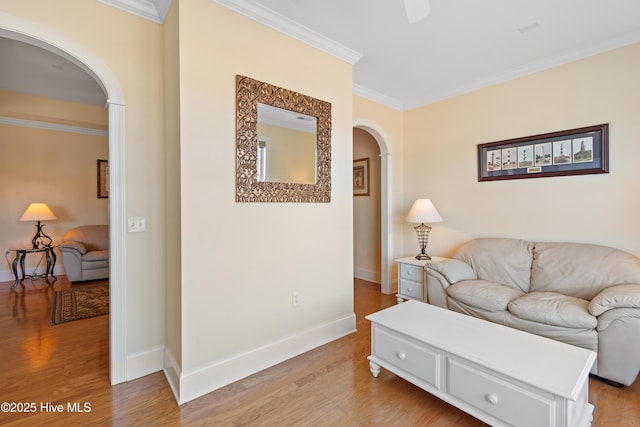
(418, 361)
(505, 401)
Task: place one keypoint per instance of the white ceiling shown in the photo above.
(461, 46)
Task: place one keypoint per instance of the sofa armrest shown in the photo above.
(453, 270)
(442, 274)
(73, 246)
(619, 296)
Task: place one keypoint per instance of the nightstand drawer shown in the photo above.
(505, 401)
(418, 361)
(411, 289)
(411, 272)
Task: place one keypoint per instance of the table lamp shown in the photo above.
(39, 212)
(423, 211)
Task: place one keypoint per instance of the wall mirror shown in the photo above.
(283, 144)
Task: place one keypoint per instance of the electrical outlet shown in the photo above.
(136, 224)
(295, 299)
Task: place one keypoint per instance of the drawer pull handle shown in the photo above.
(409, 289)
(493, 399)
(409, 273)
(401, 356)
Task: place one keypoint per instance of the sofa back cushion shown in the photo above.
(581, 270)
(94, 237)
(506, 261)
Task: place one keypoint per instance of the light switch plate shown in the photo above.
(136, 224)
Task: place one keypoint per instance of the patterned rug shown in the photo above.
(80, 302)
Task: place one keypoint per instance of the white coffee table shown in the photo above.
(497, 374)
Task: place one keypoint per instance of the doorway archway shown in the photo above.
(385, 194)
(20, 29)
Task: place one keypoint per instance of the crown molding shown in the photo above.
(528, 69)
(281, 23)
(372, 95)
(51, 126)
(153, 10)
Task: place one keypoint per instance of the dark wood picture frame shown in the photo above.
(361, 177)
(570, 152)
(103, 179)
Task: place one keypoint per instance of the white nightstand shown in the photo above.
(412, 281)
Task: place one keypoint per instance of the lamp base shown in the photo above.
(422, 231)
(40, 240)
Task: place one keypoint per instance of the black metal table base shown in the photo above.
(21, 254)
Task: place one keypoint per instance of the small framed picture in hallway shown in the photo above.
(361, 177)
(103, 179)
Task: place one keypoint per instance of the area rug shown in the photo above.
(80, 302)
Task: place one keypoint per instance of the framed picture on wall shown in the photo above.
(568, 152)
(361, 177)
(103, 179)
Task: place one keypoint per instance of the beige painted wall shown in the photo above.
(132, 48)
(36, 108)
(440, 158)
(285, 245)
(241, 262)
(51, 166)
(366, 212)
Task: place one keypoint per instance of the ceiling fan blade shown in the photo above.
(416, 10)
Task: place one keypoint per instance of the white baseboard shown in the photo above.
(144, 363)
(198, 383)
(367, 274)
(173, 372)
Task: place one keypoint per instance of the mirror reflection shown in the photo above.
(286, 146)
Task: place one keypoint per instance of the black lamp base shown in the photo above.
(40, 240)
(422, 231)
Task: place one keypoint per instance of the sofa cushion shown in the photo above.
(96, 256)
(553, 309)
(506, 261)
(94, 265)
(484, 294)
(581, 270)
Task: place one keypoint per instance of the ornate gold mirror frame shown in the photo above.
(249, 93)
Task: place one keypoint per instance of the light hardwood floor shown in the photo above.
(328, 386)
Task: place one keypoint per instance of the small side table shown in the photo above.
(412, 280)
(21, 254)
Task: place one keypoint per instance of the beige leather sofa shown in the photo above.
(582, 294)
(85, 253)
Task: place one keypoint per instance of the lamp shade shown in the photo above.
(38, 212)
(423, 211)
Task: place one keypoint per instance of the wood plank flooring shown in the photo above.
(329, 386)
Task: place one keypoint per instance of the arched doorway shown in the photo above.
(385, 199)
(16, 28)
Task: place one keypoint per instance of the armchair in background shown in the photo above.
(85, 253)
